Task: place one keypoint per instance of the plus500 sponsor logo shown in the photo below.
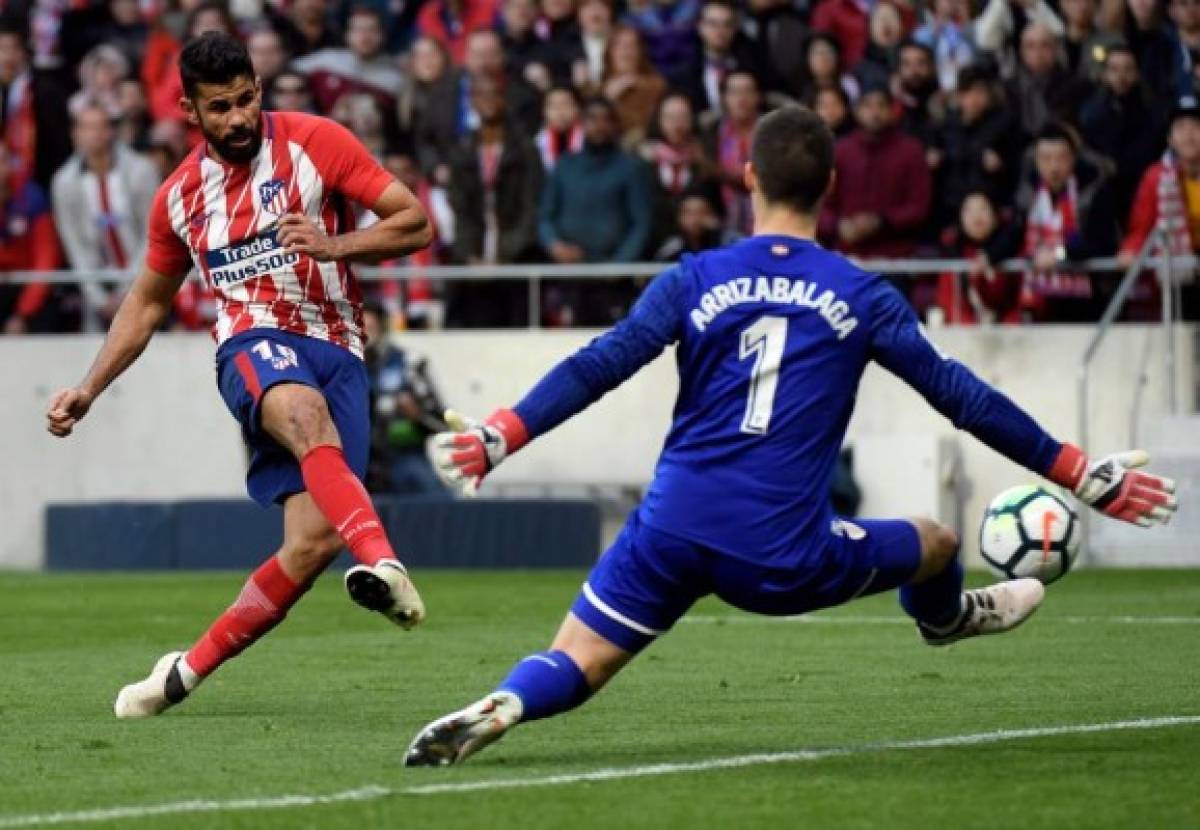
(248, 259)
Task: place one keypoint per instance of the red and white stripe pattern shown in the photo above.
(225, 218)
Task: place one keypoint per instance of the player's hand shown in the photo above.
(299, 234)
(1115, 487)
(66, 409)
(463, 457)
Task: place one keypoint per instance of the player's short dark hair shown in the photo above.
(1058, 131)
(213, 58)
(792, 156)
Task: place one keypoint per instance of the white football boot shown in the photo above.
(991, 610)
(456, 736)
(387, 589)
(158, 692)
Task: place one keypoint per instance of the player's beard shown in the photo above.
(236, 153)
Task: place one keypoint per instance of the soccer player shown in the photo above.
(772, 335)
(262, 209)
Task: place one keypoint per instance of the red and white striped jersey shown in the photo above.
(225, 217)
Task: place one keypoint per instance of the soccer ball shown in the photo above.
(1029, 531)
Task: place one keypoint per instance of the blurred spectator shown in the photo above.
(28, 243)
(595, 19)
(823, 69)
(101, 199)
(269, 57)
(1084, 42)
(361, 67)
(451, 22)
(415, 302)
(495, 182)
(632, 84)
(1169, 193)
(1122, 121)
(133, 125)
(168, 144)
(526, 55)
(100, 75)
(125, 30)
(1069, 215)
(596, 205)
(984, 294)
(668, 28)
(485, 58)
(882, 56)
(1142, 26)
(833, 105)
(423, 113)
(846, 22)
(674, 148)
(559, 33)
(723, 49)
(561, 131)
(1002, 22)
(917, 92)
(881, 193)
(774, 28)
(405, 410)
(1035, 91)
(304, 26)
(976, 150)
(1185, 14)
(727, 143)
(361, 114)
(698, 226)
(289, 93)
(949, 34)
(34, 125)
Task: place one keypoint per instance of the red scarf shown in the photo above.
(734, 151)
(1050, 223)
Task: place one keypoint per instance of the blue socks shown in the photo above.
(936, 602)
(548, 683)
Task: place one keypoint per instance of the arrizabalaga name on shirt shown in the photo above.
(781, 290)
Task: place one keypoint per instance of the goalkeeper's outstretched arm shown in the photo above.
(142, 312)
(1110, 485)
(464, 457)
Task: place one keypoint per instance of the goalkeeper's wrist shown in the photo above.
(509, 425)
(1069, 467)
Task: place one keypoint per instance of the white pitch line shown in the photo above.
(370, 793)
(849, 619)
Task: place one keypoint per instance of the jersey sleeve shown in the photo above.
(345, 165)
(899, 345)
(655, 322)
(166, 253)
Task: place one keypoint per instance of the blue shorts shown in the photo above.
(250, 363)
(649, 579)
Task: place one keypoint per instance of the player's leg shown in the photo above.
(944, 612)
(298, 417)
(309, 545)
(637, 590)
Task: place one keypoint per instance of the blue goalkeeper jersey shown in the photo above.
(772, 334)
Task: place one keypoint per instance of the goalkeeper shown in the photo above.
(772, 336)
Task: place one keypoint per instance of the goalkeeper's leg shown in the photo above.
(309, 545)
(578, 663)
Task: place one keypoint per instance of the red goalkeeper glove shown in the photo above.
(1112, 485)
(463, 457)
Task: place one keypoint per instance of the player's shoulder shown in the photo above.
(306, 129)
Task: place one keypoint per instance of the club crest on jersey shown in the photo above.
(272, 197)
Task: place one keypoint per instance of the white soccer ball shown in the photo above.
(1030, 531)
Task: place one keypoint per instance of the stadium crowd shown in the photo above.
(579, 131)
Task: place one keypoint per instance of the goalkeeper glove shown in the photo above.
(463, 457)
(1112, 485)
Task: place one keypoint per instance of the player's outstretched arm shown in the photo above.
(141, 313)
(1111, 485)
(471, 450)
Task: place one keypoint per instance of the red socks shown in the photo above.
(262, 604)
(343, 500)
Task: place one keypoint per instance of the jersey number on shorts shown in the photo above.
(281, 358)
(764, 340)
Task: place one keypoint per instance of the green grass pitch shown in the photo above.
(327, 703)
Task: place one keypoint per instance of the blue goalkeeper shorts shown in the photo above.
(250, 363)
(648, 579)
